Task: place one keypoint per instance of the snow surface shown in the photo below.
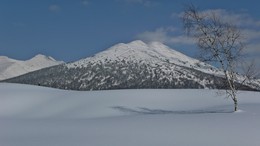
(151, 53)
(32, 115)
(11, 68)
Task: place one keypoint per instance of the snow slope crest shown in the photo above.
(11, 68)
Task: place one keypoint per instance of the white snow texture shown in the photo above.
(38, 116)
(11, 68)
(151, 53)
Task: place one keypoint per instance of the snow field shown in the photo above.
(31, 115)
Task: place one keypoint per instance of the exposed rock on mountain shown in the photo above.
(129, 66)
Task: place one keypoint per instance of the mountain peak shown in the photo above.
(150, 45)
(11, 68)
(3, 57)
(127, 66)
(147, 53)
(42, 57)
(137, 43)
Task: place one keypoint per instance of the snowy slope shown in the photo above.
(135, 65)
(151, 53)
(32, 115)
(11, 68)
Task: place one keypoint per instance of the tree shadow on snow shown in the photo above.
(143, 110)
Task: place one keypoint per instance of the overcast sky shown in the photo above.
(69, 30)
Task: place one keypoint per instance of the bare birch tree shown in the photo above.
(220, 43)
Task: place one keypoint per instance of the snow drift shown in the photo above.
(31, 115)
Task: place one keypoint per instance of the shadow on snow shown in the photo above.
(143, 110)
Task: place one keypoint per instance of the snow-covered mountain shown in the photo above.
(11, 68)
(154, 53)
(129, 66)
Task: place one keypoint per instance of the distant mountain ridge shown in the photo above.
(10, 68)
(135, 65)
